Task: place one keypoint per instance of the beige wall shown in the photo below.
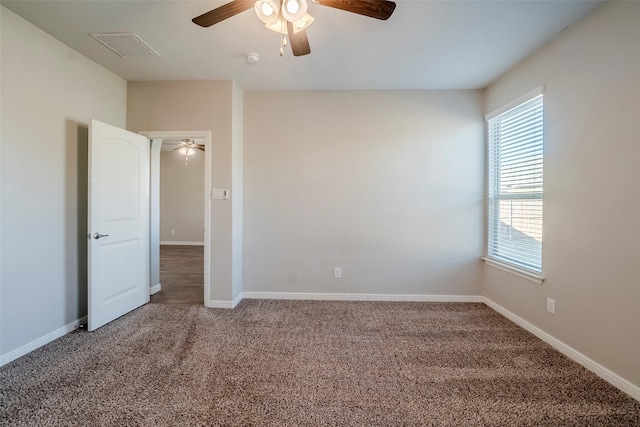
(49, 94)
(181, 197)
(386, 185)
(199, 106)
(591, 75)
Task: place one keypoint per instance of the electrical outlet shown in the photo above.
(551, 306)
(337, 272)
(173, 231)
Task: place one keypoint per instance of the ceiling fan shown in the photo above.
(188, 147)
(290, 18)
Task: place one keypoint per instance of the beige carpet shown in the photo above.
(294, 363)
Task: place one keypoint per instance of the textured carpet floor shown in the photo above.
(295, 363)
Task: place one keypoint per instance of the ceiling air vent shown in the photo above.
(127, 45)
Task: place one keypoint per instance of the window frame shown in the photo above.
(504, 263)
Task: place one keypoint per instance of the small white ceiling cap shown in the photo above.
(252, 57)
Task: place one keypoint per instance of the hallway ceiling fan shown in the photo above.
(188, 147)
(290, 18)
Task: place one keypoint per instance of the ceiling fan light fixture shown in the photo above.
(303, 23)
(294, 10)
(289, 18)
(293, 6)
(267, 11)
(277, 26)
(281, 27)
(187, 151)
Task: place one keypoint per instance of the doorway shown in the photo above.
(181, 275)
(180, 242)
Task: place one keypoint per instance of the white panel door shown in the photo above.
(118, 226)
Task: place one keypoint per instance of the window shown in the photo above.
(515, 186)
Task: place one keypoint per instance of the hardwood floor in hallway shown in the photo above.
(181, 275)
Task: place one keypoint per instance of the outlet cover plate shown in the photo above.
(551, 306)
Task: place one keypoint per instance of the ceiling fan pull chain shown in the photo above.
(283, 39)
(282, 44)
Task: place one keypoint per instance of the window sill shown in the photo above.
(520, 272)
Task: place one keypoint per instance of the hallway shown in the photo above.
(181, 275)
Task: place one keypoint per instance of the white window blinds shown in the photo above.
(515, 186)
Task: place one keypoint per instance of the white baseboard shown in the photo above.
(37, 343)
(176, 243)
(223, 304)
(155, 289)
(604, 373)
(237, 300)
(361, 297)
(218, 304)
(342, 297)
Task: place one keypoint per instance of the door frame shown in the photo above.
(205, 135)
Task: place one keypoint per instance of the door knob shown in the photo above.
(98, 235)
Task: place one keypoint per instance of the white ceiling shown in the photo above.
(424, 45)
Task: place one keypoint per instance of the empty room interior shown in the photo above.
(345, 213)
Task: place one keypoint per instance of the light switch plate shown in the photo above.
(219, 194)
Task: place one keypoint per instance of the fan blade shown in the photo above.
(198, 147)
(299, 41)
(223, 12)
(379, 9)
